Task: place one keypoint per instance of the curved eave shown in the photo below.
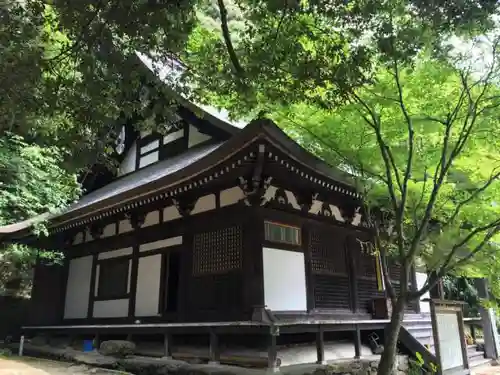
(195, 108)
(257, 129)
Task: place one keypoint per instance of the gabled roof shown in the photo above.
(174, 171)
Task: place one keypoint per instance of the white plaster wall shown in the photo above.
(148, 159)
(167, 242)
(171, 213)
(128, 163)
(173, 136)
(150, 146)
(78, 238)
(88, 235)
(205, 203)
(148, 286)
(151, 218)
(284, 280)
(124, 226)
(195, 137)
(76, 302)
(116, 308)
(231, 196)
(115, 253)
(424, 306)
(109, 230)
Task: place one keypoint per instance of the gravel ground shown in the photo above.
(36, 366)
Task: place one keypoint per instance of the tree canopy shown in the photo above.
(367, 85)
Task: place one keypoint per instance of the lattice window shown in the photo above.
(366, 266)
(282, 233)
(217, 251)
(394, 270)
(327, 253)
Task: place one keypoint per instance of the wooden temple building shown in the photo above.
(210, 229)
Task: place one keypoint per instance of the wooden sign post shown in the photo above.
(449, 337)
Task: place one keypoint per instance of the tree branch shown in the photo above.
(227, 39)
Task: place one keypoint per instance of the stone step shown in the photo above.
(422, 333)
(419, 327)
(477, 362)
(473, 354)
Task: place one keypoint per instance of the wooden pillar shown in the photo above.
(272, 351)
(488, 322)
(357, 342)
(437, 292)
(214, 354)
(167, 345)
(320, 346)
(97, 341)
(353, 281)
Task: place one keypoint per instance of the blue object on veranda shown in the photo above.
(88, 345)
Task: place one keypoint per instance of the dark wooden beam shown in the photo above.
(320, 346)
(357, 342)
(90, 311)
(167, 345)
(133, 281)
(272, 351)
(214, 353)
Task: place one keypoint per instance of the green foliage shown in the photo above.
(431, 91)
(32, 180)
(318, 51)
(32, 183)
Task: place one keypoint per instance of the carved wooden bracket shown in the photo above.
(137, 219)
(184, 205)
(96, 230)
(305, 200)
(255, 189)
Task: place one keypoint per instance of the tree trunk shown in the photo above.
(388, 357)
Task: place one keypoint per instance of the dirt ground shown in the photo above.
(35, 366)
(486, 370)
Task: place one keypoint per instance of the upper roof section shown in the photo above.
(200, 165)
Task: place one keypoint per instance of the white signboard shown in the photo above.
(284, 280)
(450, 344)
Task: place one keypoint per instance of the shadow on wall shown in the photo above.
(13, 314)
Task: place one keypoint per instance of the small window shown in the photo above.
(113, 278)
(281, 233)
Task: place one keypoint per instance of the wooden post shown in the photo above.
(97, 341)
(272, 351)
(320, 346)
(473, 333)
(214, 354)
(357, 342)
(167, 345)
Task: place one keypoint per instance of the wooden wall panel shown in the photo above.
(46, 306)
(331, 292)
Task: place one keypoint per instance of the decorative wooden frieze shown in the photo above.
(256, 190)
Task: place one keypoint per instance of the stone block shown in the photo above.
(39, 340)
(117, 348)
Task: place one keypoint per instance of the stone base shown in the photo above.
(162, 366)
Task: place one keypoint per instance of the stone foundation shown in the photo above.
(139, 365)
